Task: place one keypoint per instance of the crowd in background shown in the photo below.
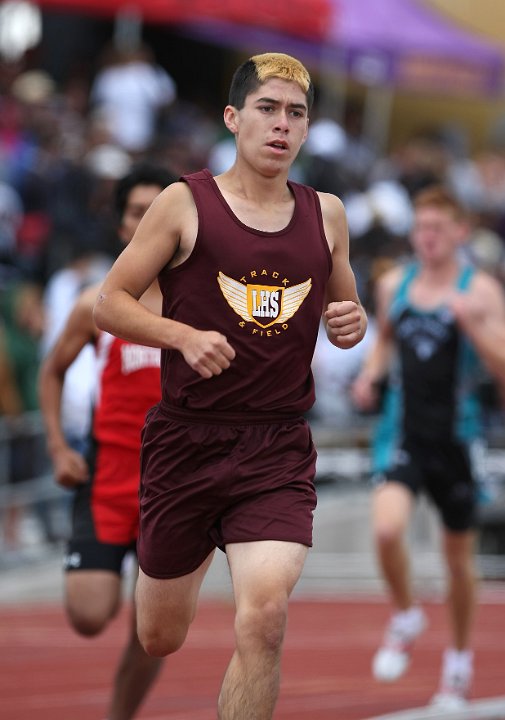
(62, 149)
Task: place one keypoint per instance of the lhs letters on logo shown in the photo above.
(264, 305)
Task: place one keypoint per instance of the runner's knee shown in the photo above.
(388, 537)
(92, 599)
(87, 621)
(261, 627)
(161, 641)
(460, 566)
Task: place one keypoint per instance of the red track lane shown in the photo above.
(49, 673)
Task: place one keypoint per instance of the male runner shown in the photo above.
(247, 262)
(105, 514)
(431, 420)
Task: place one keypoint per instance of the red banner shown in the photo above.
(308, 18)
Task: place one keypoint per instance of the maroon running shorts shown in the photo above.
(213, 482)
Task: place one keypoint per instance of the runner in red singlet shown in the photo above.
(106, 507)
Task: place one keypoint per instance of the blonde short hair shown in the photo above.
(260, 68)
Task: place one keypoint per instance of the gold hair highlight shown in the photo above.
(281, 66)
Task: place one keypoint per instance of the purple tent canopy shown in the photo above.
(401, 43)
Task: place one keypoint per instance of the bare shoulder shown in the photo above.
(388, 282)
(484, 281)
(176, 195)
(334, 221)
(332, 206)
(167, 222)
(174, 190)
(487, 291)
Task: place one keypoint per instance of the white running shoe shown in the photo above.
(448, 701)
(393, 657)
(457, 672)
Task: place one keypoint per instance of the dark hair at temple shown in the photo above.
(141, 174)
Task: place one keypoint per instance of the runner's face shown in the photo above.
(436, 235)
(139, 200)
(271, 126)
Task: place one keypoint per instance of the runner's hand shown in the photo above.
(364, 393)
(70, 468)
(207, 352)
(343, 323)
(469, 310)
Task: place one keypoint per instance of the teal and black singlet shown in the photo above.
(432, 395)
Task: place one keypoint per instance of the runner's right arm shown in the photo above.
(70, 468)
(365, 390)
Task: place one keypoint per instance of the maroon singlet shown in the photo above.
(264, 291)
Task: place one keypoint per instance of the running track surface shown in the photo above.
(49, 673)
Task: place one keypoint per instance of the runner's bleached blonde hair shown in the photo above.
(260, 68)
(283, 66)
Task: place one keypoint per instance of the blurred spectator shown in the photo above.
(22, 316)
(485, 249)
(33, 171)
(33, 87)
(187, 134)
(22, 313)
(10, 410)
(131, 91)
(16, 145)
(222, 155)
(107, 161)
(488, 189)
(359, 157)
(334, 371)
(418, 163)
(379, 220)
(384, 203)
(11, 217)
(10, 400)
(324, 152)
(82, 222)
(84, 260)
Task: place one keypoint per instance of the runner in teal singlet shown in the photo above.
(430, 419)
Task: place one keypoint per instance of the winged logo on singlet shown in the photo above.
(264, 305)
